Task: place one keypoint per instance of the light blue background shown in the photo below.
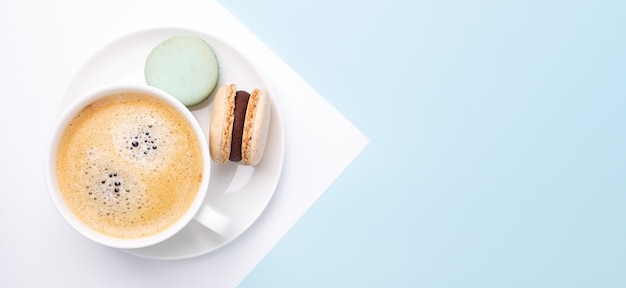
(498, 142)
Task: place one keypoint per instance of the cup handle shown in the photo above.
(214, 220)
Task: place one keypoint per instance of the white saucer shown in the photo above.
(240, 192)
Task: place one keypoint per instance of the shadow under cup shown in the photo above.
(111, 190)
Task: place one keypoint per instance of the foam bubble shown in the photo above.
(144, 139)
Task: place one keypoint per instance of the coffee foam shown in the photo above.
(129, 166)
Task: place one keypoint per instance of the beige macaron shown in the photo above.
(239, 136)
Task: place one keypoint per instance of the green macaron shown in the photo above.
(184, 66)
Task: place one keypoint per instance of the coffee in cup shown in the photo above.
(129, 166)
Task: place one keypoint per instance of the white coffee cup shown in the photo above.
(198, 209)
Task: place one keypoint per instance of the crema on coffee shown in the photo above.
(129, 165)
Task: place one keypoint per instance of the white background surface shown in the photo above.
(44, 45)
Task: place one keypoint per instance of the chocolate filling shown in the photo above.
(241, 105)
